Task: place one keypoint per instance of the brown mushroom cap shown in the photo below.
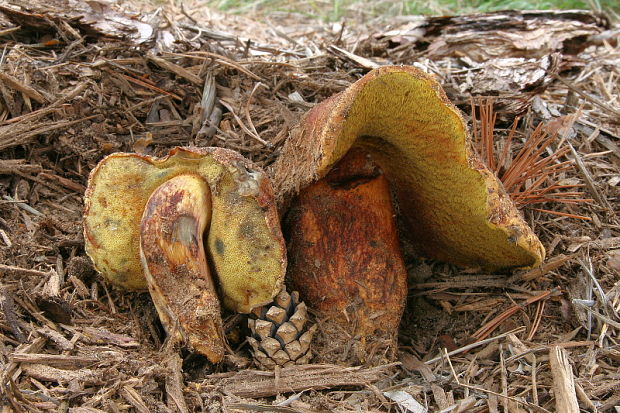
(456, 209)
(244, 242)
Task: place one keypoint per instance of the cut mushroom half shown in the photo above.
(176, 216)
(169, 224)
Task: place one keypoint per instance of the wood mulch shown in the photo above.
(80, 80)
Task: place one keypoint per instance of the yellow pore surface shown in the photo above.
(246, 252)
(455, 207)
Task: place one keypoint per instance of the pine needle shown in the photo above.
(531, 176)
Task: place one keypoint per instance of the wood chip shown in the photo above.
(563, 381)
(53, 374)
(254, 384)
(131, 395)
(25, 89)
(55, 360)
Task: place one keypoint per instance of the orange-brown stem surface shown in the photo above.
(345, 260)
(175, 264)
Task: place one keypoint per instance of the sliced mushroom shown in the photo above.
(244, 244)
(176, 216)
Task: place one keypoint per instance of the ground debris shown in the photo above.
(80, 80)
(257, 384)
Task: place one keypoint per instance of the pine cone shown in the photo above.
(280, 333)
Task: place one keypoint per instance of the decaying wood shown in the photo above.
(96, 19)
(500, 34)
(512, 55)
(254, 383)
(563, 381)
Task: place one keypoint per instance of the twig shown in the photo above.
(587, 97)
(223, 60)
(25, 89)
(598, 315)
(23, 271)
(474, 345)
(262, 408)
(23, 206)
(243, 126)
(51, 108)
(504, 378)
(176, 69)
(551, 265)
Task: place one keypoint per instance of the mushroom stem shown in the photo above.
(174, 261)
(345, 259)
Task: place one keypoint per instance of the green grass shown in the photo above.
(334, 10)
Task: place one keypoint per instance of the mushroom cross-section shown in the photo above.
(161, 209)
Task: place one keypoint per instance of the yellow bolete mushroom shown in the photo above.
(168, 223)
(454, 207)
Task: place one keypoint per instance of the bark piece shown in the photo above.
(255, 384)
(500, 34)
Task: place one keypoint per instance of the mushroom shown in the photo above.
(168, 223)
(453, 207)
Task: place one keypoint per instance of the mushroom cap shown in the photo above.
(245, 244)
(455, 208)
